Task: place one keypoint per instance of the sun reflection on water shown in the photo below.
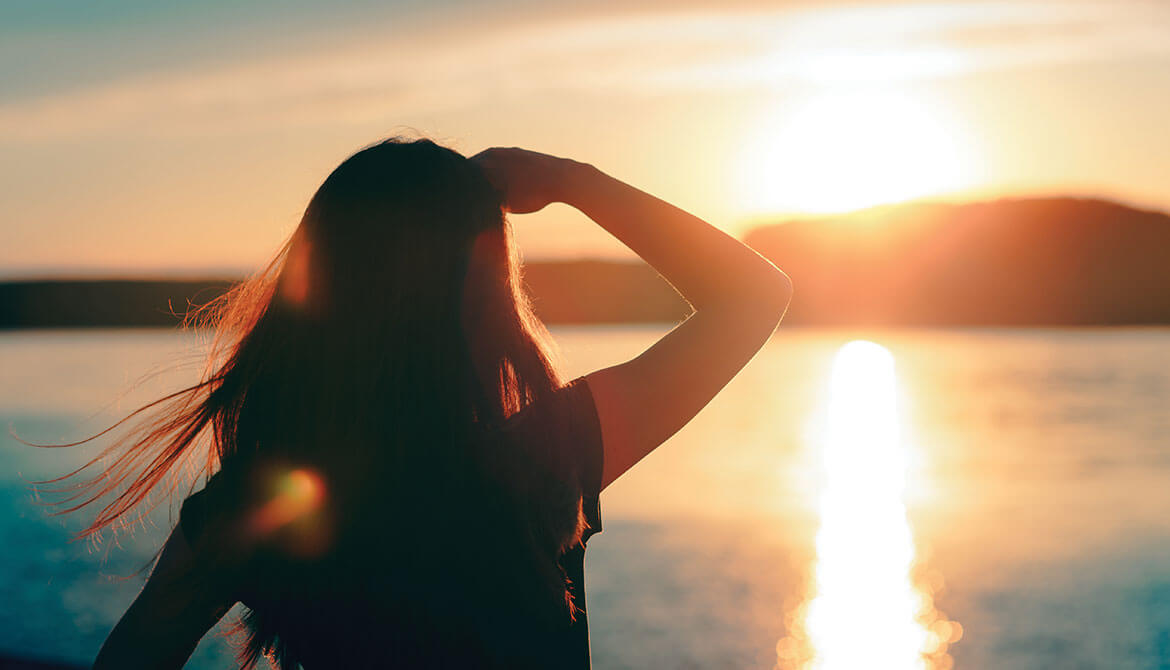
(865, 610)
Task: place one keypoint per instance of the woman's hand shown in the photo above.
(528, 180)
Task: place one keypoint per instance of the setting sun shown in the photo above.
(841, 151)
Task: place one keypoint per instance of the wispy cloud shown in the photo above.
(628, 55)
(861, 45)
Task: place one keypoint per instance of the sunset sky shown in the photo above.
(156, 137)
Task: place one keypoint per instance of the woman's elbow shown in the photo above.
(776, 294)
(764, 304)
(785, 289)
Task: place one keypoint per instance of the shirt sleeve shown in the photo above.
(586, 443)
(561, 433)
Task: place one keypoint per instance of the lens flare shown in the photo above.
(866, 611)
(298, 493)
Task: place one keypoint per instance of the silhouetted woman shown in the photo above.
(398, 476)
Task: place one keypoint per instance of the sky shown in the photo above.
(150, 138)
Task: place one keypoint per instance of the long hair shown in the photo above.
(371, 351)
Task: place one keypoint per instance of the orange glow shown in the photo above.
(866, 611)
(295, 285)
(299, 492)
(881, 101)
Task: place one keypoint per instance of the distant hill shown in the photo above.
(563, 292)
(103, 302)
(1012, 262)
(1031, 261)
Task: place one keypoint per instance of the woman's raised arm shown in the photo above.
(738, 296)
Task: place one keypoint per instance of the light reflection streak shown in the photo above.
(866, 611)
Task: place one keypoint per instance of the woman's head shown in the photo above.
(404, 260)
(388, 329)
(393, 226)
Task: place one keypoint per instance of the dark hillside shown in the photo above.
(1059, 261)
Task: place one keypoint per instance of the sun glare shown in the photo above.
(838, 152)
(866, 611)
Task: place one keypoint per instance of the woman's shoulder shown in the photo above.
(567, 411)
(560, 430)
(212, 508)
(243, 512)
(557, 439)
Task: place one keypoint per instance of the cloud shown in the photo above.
(631, 55)
(891, 43)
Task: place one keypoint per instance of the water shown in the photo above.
(1035, 490)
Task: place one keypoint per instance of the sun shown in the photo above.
(846, 150)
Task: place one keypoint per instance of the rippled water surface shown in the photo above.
(1019, 519)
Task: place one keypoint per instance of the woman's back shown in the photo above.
(423, 574)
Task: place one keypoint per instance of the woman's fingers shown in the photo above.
(525, 178)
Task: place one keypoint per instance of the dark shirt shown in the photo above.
(562, 434)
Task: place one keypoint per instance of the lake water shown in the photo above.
(1006, 491)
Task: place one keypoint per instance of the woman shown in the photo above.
(401, 479)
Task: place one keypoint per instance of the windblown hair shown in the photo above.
(372, 349)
